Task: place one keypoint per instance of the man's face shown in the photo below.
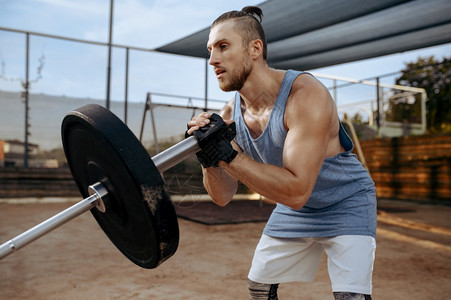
(230, 59)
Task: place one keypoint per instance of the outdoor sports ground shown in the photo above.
(78, 261)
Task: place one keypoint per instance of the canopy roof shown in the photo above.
(308, 34)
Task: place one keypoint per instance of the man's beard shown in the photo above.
(238, 77)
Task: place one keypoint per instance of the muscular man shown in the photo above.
(291, 149)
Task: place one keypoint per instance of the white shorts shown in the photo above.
(350, 261)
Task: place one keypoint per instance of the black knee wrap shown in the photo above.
(350, 296)
(262, 291)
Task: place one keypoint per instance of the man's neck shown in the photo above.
(261, 88)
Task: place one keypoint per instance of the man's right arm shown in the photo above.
(220, 185)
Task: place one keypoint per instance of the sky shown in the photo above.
(79, 70)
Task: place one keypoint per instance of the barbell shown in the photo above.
(121, 185)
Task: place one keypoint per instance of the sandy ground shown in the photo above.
(77, 261)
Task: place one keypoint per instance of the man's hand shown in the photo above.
(197, 122)
(214, 137)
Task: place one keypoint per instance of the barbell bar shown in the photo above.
(163, 161)
(118, 178)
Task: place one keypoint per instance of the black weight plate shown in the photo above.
(140, 218)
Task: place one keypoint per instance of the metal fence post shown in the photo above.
(26, 86)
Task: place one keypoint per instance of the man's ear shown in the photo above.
(256, 48)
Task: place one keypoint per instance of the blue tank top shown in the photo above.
(343, 201)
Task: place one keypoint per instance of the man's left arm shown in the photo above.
(308, 118)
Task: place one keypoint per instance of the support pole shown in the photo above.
(149, 106)
(378, 115)
(423, 112)
(146, 107)
(110, 40)
(126, 85)
(154, 128)
(26, 86)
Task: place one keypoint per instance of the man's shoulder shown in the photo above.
(309, 95)
(307, 92)
(306, 82)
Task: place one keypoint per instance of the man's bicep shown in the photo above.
(303, 153)
(305, 148)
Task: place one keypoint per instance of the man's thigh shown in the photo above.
(278, 260)
(350, 260)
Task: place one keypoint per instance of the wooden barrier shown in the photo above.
(408, 168)
(411, 168)
(43, 182)
(37, 182)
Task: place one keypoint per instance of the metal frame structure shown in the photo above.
(378, 85)
(149, 106)
(307, 35)
(109, 45)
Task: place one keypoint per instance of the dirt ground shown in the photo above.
(77, 261)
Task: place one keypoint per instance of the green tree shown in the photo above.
(435, 77)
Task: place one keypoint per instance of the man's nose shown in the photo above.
(213, 59)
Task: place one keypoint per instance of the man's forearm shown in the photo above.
(273, 182)
(219, 185)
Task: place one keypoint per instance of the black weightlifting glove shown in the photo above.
(211, 155)
(214, 140)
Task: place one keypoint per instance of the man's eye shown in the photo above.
(223, 46)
